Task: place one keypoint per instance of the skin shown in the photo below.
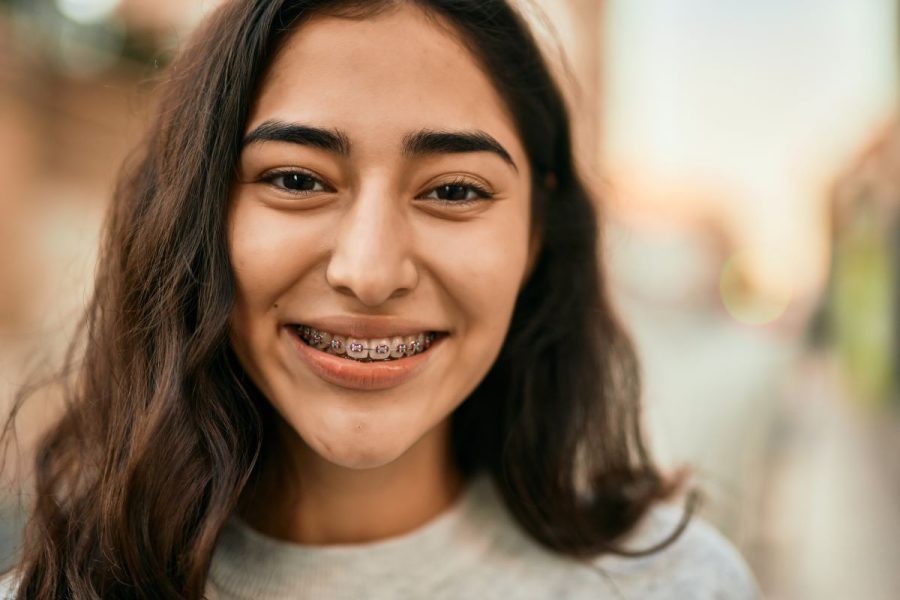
(372, 239)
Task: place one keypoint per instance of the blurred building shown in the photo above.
(862, 309)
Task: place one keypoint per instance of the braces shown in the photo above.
(314, 338)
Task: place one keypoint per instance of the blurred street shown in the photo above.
(803, 481)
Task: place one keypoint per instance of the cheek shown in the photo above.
(274, 252)
(481, 273)
(485, 278)
(491, 258)
(481, 266)
(269, 253)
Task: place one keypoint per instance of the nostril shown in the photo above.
(344, 290)
(371, 275)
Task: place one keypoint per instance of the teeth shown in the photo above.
(398, 347)
(410, 341)
(322, 340)
(338, 345)
(380, 349)
(357, 348)
(363, 349)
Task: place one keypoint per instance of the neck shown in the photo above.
(316, 502)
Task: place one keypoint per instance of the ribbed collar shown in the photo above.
(249, 564)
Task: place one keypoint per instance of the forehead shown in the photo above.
(390, 74)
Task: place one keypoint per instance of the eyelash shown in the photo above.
(271, 177)
(480, 191)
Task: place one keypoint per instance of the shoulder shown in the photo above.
(699, 564)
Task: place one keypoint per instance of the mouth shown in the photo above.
(365, 364)
(367, 350)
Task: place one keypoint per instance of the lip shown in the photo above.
(369, 327)
(369, 376)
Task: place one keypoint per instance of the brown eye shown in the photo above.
(454, 192)
(458, 192)
(300, 182)
(296, 182)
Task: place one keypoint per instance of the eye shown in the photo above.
(296, 182)
(458, 192)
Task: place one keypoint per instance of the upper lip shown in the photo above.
(368, 326)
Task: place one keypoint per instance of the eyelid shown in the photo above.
(481, 189)
(270, 176)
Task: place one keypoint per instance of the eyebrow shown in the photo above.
(278, 131)
(419, 143)
(452, 142)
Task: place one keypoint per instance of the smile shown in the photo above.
(383, 349)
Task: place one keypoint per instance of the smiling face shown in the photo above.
(382, 193)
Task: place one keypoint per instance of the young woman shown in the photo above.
(350, 338)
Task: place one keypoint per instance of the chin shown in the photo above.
(354, 449)
(358, 458)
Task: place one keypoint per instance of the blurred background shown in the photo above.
(748, 157)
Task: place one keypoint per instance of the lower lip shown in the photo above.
(350, 374)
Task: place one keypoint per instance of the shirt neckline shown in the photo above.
(246, 559)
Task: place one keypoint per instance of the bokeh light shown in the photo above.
(87, 11)
(747, 303)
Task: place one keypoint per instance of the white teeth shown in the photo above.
(363, 349)
(398, 347)
(356, 348)
(379, 349)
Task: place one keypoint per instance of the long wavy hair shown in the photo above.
(163, 431)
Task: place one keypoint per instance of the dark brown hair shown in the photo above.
(162, 429)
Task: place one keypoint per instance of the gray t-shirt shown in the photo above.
(476, 551)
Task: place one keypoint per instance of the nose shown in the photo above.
(371, 258)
